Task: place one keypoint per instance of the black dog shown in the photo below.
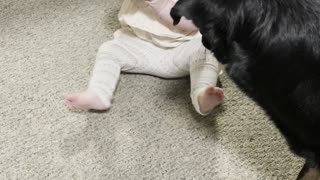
(271, 49)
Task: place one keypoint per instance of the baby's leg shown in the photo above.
(103, 82)
(125, 53)
(112, 57)
(204, 75)
(190, 57)
(204, 70)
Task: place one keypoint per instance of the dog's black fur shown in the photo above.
(271, 49)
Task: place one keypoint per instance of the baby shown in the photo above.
(148, 43)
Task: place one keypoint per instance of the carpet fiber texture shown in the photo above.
(47, 50)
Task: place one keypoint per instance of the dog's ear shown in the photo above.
(182, 8)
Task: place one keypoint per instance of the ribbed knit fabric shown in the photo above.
(128, 53)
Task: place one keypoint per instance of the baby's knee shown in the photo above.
(105, 47)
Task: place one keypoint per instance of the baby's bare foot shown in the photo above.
(209, 98)
(86, 100)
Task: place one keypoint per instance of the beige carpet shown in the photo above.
(47, 49)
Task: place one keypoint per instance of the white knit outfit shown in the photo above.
(150, 54)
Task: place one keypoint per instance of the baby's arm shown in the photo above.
(163, 8)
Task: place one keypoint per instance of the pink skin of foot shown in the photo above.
(210, 98)
(86, 100)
